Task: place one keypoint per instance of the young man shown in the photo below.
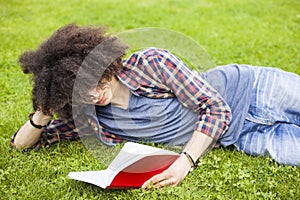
(153, 96)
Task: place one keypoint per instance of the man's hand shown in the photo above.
(197, 145)
(171, 176)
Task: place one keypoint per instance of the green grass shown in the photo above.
(232, 31)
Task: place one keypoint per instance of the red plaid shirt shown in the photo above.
(156, 73)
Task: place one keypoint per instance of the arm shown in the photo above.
(60, 129)
(31, 137)
(28, 135)
(194, 92)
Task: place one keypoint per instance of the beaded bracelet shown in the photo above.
(190, 160)
(36, 125)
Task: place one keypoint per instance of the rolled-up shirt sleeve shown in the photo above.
(65, 130)
(57, 130)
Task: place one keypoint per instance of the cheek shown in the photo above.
(108, 96)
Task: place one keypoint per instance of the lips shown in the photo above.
(102, 100)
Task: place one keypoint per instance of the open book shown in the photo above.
(134, 164)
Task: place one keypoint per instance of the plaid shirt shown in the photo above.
(156, 73)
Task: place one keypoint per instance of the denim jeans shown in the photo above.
(272, 125)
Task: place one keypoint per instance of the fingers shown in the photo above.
(167, 182)
(160, 180)
(155, 179)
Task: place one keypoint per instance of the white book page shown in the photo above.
(101, 178)
(132, 152)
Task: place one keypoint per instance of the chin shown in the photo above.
(101, 104)
(105, 103)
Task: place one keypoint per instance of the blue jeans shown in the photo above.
(272, 125)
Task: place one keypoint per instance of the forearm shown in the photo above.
(198, 145)
(28, 135)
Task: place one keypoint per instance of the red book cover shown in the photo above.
(134, 164)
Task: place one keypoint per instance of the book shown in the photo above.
(133, 165)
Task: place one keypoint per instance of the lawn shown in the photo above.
(262, 33)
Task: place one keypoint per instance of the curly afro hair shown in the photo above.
(56, 62)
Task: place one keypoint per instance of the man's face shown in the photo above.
(103, 94)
